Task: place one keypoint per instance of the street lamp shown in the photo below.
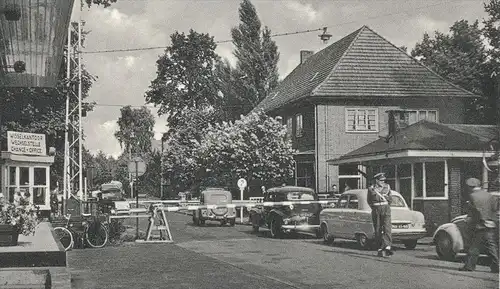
(32, 35)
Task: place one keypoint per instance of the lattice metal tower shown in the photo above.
(73, 167)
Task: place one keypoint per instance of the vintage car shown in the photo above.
(281, 219)
(215, 196)
(351, 219)
(454, 237)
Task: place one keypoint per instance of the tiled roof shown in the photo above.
(425, 135)
(362, 64)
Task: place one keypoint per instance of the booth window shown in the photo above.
(404, 176)
(12, 183)
(349, 177)
(434, 179)
(390, 175)
(419, 183)
(39, 185)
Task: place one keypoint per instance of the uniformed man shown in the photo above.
(379, 199)
(482, 222)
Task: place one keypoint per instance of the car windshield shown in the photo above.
(216, 198)
(304, 196)
(397, 201)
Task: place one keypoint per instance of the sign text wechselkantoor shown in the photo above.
(26, 143)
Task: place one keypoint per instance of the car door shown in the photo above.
(337, 218)
(351, 217)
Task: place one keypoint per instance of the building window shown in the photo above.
(434, 180)
(431, 180)
(40, 186)
(410, 117)
(299, 128)
(404, 184)
(361, 120)
(289, 128)
(349, 178)
(305, 175)
(390, 175)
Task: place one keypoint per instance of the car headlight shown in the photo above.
(291, 207)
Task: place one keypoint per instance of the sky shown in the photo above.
(124, 77)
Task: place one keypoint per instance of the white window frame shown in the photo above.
(357, 113)
(424, 185)
(418, 111)
(299, 125)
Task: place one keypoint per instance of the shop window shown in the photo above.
(39, 186)
(12, 176)
(434, 179)
(24, 176)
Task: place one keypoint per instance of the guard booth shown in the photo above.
(25, 168)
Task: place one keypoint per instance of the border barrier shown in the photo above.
(155, 211)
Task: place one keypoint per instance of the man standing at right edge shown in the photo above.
(379, 199)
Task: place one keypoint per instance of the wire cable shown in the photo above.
(282, 34)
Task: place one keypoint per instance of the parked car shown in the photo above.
(453, 238)
(352, 219)
(215, 196)
(282, 219)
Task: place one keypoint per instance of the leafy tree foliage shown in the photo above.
(206, 154)
(492, 28)
(254, 147)
(461, 57)
(180, 156)
(105, 3)
(185, 77)
(256, 72)
(135, 130)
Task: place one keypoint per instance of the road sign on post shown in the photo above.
(138, 167)
(242, 184)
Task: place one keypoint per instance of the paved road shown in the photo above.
(226, 257)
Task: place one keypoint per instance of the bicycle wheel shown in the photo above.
(96, 235)
(65, 237)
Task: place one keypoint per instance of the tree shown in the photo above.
(491, 28)
(256, 72)
(105, 3)
(180, 157)
(461, 57)
(135, 130)
(185, 77)
(255, 148)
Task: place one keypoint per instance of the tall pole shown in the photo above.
(80, 161)
(66, 136)
(161, 169)
(136, 199)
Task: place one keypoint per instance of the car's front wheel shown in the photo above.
(410, 244)
(276, 231)
(327, 238)
(363, 241)
(444, 246)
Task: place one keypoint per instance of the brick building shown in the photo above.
(337, 100)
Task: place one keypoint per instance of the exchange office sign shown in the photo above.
(26, 143)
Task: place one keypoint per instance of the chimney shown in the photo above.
(304, 55)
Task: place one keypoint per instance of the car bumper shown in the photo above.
(403, 234)
(301, 227)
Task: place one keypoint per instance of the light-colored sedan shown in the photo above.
(352, 219)
(454, 237)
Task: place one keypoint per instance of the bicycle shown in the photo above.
(94, 234)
